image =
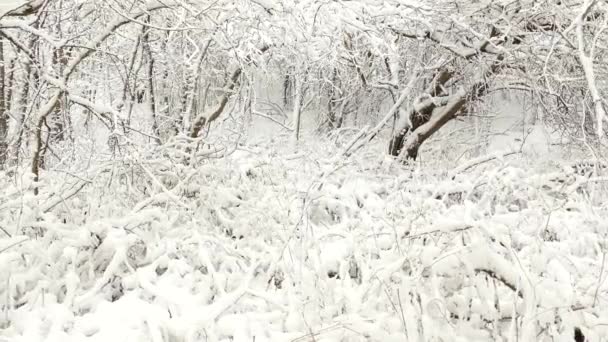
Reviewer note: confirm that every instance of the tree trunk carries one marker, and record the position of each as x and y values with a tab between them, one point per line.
150	85
441	112
286	89
436	121
231	83
420	112
297	106
202	120
30	81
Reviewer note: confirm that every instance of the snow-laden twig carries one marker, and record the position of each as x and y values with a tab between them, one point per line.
53	201
13	243
219	306
171	194
260	114
480	160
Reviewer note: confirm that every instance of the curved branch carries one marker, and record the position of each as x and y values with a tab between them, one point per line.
26	9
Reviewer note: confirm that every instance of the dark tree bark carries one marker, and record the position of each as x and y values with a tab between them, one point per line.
437	106
231	83
26	9
421	114
150	80
201	121
444	112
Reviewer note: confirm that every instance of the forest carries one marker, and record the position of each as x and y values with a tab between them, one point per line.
303	170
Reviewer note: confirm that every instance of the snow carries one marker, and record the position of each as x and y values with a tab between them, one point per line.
259	253
254	235
8	5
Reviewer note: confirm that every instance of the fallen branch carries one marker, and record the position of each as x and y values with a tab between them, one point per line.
480	160
504	281
255	112
62	197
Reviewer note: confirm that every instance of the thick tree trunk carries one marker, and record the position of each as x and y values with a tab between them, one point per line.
441	116
420	112
442	113
202	120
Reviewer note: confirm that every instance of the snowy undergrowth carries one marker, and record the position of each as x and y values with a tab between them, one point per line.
269	245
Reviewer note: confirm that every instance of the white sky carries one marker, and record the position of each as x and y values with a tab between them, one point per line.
7	5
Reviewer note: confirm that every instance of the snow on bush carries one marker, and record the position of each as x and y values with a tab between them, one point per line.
267	245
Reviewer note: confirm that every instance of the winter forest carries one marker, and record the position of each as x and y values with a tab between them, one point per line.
303	170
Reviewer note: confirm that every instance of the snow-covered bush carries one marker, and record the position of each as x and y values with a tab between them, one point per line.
267	245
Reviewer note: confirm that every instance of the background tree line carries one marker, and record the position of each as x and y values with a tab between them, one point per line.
156	71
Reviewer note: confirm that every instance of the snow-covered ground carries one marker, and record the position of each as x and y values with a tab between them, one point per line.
276	244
